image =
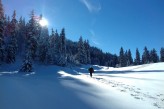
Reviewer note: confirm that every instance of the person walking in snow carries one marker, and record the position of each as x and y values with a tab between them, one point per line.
91	70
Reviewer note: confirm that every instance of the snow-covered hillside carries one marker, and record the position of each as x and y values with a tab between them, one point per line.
52	87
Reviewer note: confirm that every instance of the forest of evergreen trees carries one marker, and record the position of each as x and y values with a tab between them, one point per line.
32	42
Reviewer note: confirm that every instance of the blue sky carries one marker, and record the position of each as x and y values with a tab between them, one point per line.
107	24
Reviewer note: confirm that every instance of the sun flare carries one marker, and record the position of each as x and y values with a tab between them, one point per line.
43	22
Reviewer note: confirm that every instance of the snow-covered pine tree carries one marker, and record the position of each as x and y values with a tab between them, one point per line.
95	54
126	58
63	42
52	51
14	30
87	49
43	49
101	57
137	59
5	20
53	45
108	60
27	64
115	60
21	36
43	43
10	57
49	57
62	60
153	56
146	56
56	50
32	35
130	59
71	51
81	55
30	43
6	23
1	33
162	54
7	29
122	60
12	47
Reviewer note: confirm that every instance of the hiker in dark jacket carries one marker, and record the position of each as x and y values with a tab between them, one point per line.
91	70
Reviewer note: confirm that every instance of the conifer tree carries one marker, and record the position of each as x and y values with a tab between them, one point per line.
162	54
62	59
122	60
32	36
115	60
5	20
13	46
146	56
6	23
137	59
21	36
51	52
127	63
7	28
49	55
81	55
43	41
1	33
130	59
43	48
71	51
153	56
27	65
87	49
57	42
1	10
63	42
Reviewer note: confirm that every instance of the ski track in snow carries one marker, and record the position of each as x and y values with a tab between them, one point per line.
156	100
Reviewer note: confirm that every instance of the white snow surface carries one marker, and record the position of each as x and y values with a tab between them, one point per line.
53	87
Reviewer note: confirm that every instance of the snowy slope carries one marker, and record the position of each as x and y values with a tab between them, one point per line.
52	87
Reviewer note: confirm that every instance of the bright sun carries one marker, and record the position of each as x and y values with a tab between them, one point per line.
43	22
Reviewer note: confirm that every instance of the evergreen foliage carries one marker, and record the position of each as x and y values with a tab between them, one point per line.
81	55
32	35
42	42
162	54
96	55
153	56
87	50
130	59
62	59
27	65
137	59
12	46
122	58
114	61
2	49
127	63
146	56
71	50
21	36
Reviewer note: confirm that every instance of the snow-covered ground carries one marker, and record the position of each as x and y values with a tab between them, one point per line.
52	87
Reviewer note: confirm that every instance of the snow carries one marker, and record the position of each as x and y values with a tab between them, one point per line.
53	87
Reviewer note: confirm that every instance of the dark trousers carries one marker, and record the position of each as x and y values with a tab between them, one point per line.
90	74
